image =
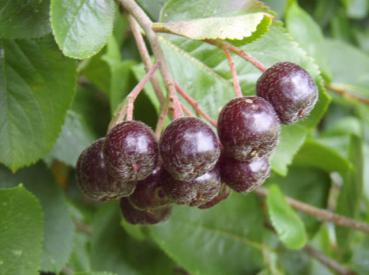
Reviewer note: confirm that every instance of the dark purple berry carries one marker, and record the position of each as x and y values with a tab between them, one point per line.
93	178
195	192
244	176
131	151
248	127
149	193
290	89
189	148
137	216
222	195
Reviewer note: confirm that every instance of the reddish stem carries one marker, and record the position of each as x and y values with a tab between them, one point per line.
137	89
232	67
195	105
162	116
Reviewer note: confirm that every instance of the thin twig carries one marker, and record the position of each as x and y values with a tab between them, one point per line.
232	67
342	92
327	261
146	23
320	213
145	56
163	114
195	105
221	44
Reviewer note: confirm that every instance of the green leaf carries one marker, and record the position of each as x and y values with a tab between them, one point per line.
235	28
213	241
24	19
36	88
81	27
357	9
21	228
58	226
152	7
287	223
94	273
73	139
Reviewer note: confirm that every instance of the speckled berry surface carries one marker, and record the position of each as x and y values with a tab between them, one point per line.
248	127
93	179
195	192
290	89
149	193
189	148
244	176
136	216
131	151
222	195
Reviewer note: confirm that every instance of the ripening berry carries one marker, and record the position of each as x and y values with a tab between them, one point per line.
222	195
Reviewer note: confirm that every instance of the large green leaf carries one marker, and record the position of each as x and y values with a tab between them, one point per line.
81	27
24	19
58	226
21	228
214	241
152	7
36	88
287	223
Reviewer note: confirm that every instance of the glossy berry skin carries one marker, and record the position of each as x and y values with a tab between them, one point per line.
195	192
137	216
131	151
149	193
290	89
189	148
93	178
244	176
222	195
248	127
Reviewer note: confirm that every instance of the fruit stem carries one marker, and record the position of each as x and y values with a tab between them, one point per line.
163	114
221	44
145	56
320	213
135	10
342	92
195	105
232	67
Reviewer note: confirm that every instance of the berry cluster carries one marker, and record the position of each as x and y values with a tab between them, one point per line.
190	164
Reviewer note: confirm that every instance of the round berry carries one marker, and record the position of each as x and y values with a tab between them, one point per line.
93	178
244	176
137	216
290	89
189	148
149	193
248	127
195	192
222	195
131	151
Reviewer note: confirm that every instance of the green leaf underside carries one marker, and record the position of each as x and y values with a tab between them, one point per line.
236	27
217	237
36	89
24	19
81	27
287	223
21	228
58	226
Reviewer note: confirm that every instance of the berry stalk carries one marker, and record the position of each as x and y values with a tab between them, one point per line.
232	67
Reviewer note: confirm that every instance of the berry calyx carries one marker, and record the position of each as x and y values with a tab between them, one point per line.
137	216
149	193
131	151
248	127
290	89
195	192
244	176
189	148
222	195
93	178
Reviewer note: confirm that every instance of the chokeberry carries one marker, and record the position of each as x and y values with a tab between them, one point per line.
248	127
290	89
189	148
131	151
222	195
244	176
195	192
93	178
149	193
137	216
